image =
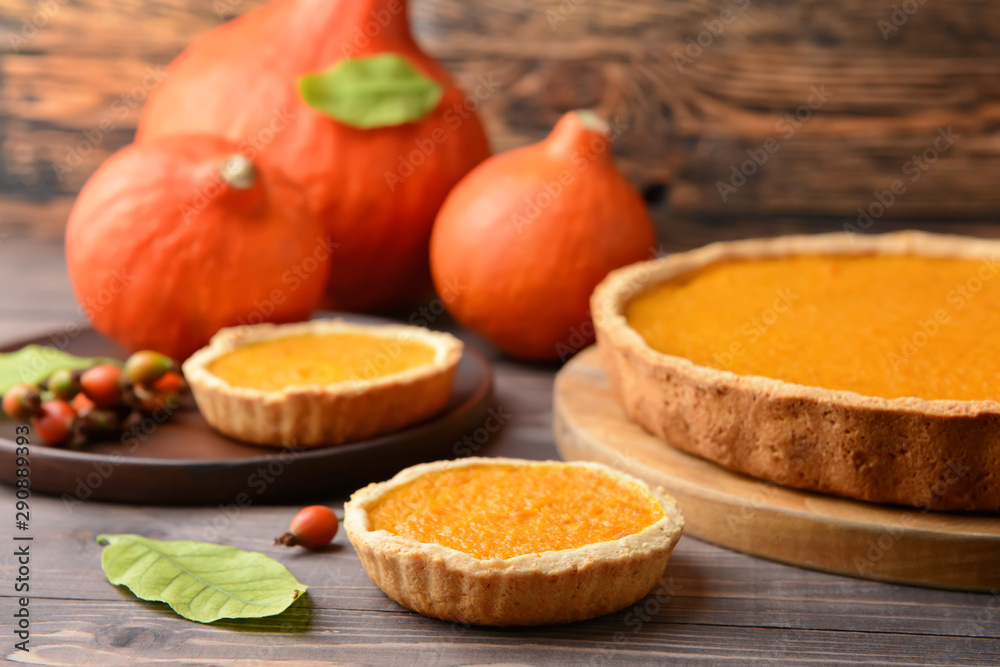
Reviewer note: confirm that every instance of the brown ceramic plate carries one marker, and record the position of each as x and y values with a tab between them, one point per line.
185	462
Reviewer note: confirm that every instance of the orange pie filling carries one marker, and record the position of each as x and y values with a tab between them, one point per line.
886	326
319	359
503	511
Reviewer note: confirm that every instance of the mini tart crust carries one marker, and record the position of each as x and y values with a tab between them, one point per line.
315	415
933	454
532	589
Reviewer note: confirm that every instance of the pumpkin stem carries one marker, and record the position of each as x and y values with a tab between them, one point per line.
590	120
580	131
238	172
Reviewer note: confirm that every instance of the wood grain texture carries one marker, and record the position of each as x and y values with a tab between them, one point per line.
74	74
697	84
713	607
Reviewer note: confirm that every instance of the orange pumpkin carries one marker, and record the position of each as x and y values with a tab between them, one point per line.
522	241
377	190
171	240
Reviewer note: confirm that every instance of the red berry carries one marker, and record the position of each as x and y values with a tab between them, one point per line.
102	385
54	424
171	382
146	367
82	404
312	528
22	402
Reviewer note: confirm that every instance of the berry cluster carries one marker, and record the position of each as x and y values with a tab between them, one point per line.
73	406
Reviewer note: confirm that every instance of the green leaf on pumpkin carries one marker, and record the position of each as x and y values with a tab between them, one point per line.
200	581
370	92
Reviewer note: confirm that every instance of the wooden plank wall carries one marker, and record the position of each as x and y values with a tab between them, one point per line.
695	84
73	75
702	82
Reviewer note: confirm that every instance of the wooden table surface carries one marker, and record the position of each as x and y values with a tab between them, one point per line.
713	607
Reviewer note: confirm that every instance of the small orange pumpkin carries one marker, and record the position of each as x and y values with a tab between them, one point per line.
521	242
172	240
377	189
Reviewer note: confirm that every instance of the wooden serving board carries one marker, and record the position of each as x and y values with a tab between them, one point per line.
185	462
886	543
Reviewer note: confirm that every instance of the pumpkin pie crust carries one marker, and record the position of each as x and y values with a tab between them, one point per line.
940	454
536	588
313	414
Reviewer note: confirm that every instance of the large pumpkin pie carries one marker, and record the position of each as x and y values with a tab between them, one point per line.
862	366
513	542
322	382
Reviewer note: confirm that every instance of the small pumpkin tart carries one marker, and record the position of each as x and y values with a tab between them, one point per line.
513	542
863	366
323	382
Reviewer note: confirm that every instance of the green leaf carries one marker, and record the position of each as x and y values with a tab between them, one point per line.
376	91
200	581
34	363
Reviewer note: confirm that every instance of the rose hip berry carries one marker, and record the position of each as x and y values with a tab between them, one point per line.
54	422
146	367
82	404
22	402
102	385
171	382
312	528
64	384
